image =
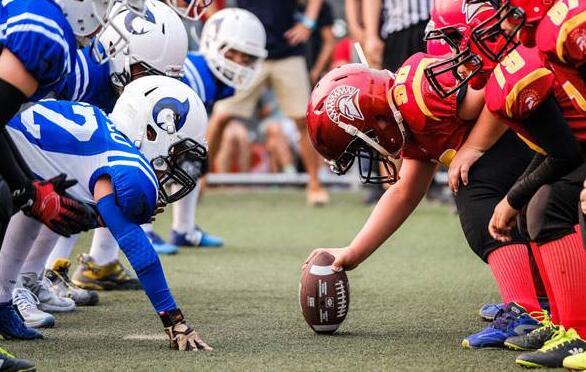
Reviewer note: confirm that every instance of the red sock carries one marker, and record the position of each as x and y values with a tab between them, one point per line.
512	271
545	280
565	262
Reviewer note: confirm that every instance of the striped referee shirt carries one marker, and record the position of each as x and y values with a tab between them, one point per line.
401	14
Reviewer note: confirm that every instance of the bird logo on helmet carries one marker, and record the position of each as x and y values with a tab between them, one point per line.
170	106
139	29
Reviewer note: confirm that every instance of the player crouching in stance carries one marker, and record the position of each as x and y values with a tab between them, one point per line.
125	164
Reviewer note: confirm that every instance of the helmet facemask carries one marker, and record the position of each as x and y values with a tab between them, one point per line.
368	160
473	63
231	73
497	35
194	10
179	171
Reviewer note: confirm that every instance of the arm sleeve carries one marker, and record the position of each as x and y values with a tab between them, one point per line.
140	253
549	128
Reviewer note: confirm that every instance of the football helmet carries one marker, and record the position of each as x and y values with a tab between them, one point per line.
238	30
191	10
167	122
515	21
137	57
454	21
349	117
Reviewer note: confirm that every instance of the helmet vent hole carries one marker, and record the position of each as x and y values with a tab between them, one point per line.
340	78
163	29
151	133
150	91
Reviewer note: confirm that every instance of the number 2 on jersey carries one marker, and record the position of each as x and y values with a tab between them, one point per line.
81	132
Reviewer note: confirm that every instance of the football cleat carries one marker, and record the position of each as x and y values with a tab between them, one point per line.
560	346
161	246
510	321
48	301
181	335
112	276
10	363
535	339
196	238
12	326
26	303
62	286
576	362
488	311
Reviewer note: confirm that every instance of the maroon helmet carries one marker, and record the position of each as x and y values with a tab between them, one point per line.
349	116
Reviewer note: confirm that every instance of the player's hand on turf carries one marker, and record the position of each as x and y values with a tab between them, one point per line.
343	259
583	198
460	167
297	34
181	335
503	221
61	213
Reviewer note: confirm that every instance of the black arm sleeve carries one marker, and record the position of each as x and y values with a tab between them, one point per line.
12	167
549	128
582	71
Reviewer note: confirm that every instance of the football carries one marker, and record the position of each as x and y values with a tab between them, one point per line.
324	295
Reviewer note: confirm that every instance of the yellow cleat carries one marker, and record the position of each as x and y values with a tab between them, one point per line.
576	362
113	276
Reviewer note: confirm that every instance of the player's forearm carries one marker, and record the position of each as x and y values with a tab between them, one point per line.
486	132
371	10
355	27
327	49
140	253
312	9
394	207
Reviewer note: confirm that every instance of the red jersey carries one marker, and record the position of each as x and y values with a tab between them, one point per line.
435	130
561	39
561	34
521	83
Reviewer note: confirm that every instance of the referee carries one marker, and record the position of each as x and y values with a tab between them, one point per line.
402	30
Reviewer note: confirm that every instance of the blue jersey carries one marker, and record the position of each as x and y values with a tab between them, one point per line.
202	80
37	32
89	82
79	140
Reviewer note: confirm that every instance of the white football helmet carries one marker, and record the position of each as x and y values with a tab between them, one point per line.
167	122
157	42
191	10
233	29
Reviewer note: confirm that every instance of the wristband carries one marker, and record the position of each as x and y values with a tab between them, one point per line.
308	22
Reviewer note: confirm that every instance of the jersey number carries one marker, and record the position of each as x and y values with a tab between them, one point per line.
81	132
560	10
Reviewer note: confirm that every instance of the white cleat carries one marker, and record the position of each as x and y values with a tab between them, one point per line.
27	303
48	301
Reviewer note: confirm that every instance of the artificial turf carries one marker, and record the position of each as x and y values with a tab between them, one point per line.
411	304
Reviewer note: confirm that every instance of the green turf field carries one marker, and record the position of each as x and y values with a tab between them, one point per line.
411	303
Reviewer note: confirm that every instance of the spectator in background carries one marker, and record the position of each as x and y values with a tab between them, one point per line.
321	43
286	71
234	152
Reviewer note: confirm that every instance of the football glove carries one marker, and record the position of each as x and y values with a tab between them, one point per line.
49	204
182	337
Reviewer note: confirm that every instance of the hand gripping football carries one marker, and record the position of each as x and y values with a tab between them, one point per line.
324	295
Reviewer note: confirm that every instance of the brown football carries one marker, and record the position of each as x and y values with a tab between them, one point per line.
324	295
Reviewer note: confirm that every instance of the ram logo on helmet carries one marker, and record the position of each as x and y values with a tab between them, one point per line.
136	24
169	108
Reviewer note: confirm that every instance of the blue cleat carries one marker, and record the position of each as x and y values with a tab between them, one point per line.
12	326
160	246
489	311
197	238
512	320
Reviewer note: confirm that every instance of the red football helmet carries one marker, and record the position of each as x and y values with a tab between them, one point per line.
454	21
515	21
348	116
